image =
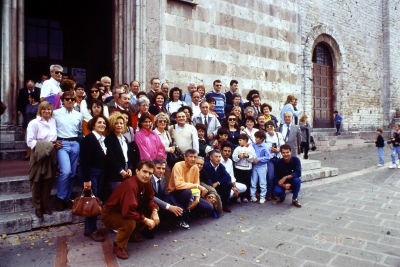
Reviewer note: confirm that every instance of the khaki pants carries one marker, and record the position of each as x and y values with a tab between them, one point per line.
112	219
41	193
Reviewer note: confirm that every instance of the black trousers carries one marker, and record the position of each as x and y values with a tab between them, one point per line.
305	147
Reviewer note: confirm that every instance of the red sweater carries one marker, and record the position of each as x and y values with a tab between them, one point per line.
133	199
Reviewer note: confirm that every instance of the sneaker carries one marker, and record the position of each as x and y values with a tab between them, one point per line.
262	200
379	165
253	199
245	200
238	201
398	167
184	225
394	166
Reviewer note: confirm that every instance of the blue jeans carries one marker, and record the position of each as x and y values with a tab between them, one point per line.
381	155
270	176
96	177
396	151
296	184
259	175
67	157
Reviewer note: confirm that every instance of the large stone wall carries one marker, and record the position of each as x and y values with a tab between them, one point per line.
256	42
356	26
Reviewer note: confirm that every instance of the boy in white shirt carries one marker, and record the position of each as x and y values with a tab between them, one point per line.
243	157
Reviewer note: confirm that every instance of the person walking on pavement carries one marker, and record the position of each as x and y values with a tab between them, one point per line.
338	121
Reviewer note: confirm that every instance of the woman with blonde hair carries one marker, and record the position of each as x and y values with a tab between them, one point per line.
238	112
118	164
41	133
288	107
305	135
202	91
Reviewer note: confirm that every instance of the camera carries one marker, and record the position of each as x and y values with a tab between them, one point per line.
274	145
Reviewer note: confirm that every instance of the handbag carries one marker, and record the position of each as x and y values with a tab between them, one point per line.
87	206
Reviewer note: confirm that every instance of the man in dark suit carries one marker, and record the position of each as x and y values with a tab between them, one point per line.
234	85
169	207
155	87
291	133
220	178
22	99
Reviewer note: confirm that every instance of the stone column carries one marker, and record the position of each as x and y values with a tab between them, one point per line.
124	41
12	61
154	37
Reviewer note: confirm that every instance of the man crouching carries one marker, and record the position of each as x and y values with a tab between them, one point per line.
125	209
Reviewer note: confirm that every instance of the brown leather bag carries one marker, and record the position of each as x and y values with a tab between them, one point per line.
87	206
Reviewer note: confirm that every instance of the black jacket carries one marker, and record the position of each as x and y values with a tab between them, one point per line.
115	160
91	156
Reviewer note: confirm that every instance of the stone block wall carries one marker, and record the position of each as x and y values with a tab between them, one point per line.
356	26
255	42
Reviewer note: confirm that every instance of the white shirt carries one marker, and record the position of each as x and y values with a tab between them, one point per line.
87	114
174	106
277	140
69	124
250	134
50	87
229	168
285	130
100	138
196	109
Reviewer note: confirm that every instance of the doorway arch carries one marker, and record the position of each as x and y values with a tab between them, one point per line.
322	112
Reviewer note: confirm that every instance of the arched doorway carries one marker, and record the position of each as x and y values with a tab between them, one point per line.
322	87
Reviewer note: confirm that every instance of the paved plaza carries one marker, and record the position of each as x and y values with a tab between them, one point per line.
348	220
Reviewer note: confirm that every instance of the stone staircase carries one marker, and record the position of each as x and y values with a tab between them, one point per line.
327	140
12	142
17	213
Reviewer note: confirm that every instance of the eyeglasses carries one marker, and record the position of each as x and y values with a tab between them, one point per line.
69	99
57	72
232	119
162	121
269	126
94	91
218	85
144	105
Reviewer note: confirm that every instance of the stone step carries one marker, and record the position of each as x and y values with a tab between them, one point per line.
339	142
334	147
10	203
310	164
25	221
6	154
12	145
321	173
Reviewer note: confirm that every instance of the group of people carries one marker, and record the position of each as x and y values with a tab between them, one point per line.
127	141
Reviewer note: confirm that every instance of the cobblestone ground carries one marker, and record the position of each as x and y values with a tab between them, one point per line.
348	220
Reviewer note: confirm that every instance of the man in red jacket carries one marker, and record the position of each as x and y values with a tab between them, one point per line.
131	206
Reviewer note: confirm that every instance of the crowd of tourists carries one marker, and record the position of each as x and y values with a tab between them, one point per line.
158	154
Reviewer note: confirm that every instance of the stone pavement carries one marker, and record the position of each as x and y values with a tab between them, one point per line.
348	220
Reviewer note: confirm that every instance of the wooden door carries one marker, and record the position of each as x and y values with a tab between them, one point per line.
322	96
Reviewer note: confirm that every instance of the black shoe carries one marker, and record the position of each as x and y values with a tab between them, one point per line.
59	204
281	199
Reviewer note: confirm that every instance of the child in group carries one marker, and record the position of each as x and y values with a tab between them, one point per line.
396	147
243	157
201	132
222	138
338	121
380	143
260	167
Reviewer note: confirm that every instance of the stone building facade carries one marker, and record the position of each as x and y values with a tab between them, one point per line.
265	44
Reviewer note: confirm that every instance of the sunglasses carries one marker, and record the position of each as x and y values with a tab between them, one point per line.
94	91
162	121
218	85
270	126
232	119
57	72
69	99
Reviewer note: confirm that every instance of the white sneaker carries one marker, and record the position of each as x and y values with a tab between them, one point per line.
398	167
379	165
393	166
253	199
262	200
245	200
238	201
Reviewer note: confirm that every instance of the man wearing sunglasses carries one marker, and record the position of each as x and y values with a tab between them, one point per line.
69	125
52	86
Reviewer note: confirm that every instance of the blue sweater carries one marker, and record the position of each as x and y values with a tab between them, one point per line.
220	175
292	168
220	103
338	119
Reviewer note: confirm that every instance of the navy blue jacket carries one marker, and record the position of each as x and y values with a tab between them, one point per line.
220	175
292	168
